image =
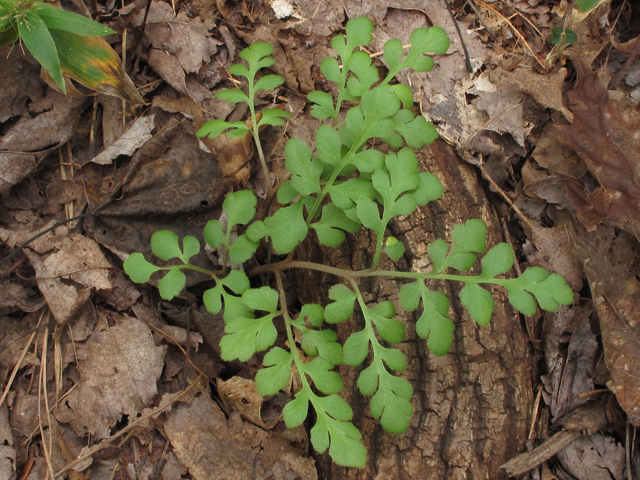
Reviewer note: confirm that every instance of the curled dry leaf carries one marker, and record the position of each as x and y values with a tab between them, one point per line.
616	296
169	181
241	395
605	135
129	142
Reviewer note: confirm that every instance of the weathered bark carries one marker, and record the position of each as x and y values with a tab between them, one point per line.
472	406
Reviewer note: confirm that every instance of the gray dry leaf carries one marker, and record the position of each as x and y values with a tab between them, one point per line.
212	447
577	375
118	377
594	457
16	297
7	446
79	259
129	142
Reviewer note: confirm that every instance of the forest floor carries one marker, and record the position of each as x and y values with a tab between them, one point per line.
95	380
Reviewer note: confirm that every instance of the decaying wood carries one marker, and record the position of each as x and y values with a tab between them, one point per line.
472	406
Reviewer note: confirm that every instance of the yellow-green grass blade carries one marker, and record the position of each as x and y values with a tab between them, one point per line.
92	62
37	38
58	19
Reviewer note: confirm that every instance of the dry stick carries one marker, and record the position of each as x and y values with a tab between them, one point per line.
613	27
18	364
615	80
44	232
475	10
107	441
536	410
464	45
42	386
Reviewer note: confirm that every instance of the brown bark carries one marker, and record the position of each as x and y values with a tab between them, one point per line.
471	406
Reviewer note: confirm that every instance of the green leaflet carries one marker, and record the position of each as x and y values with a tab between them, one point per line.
245	336
275	377
138	269
468	239
287	228
433	323
342	307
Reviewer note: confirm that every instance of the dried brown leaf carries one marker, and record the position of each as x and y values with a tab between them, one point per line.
168	184
241	395
595	457
605	134
213	447
78	259
136	136
616	296
118	376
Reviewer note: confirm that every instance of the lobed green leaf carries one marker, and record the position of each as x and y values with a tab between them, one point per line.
295	412
240	207
275	377
305	171
138	268
231	95
330	227
245	336
213	233
497	260
391	403
356	348
172	283
273	116
478	302
394	249
324	378
323	108
166	245
287	228
342	307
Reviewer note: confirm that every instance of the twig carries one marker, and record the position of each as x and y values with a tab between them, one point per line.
464	45
44	232
475	10
18	364
615	80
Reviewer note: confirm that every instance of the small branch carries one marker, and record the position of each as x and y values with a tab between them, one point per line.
464	45
615	80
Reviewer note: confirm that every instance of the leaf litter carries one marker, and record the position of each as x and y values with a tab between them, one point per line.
566	161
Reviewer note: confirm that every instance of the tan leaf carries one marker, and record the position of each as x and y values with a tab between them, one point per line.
118	376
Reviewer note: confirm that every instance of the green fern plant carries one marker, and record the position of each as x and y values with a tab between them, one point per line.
339	187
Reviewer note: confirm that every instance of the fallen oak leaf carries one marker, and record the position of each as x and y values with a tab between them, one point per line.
604	135
616	296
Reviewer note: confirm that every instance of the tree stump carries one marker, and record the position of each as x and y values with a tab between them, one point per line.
472	406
